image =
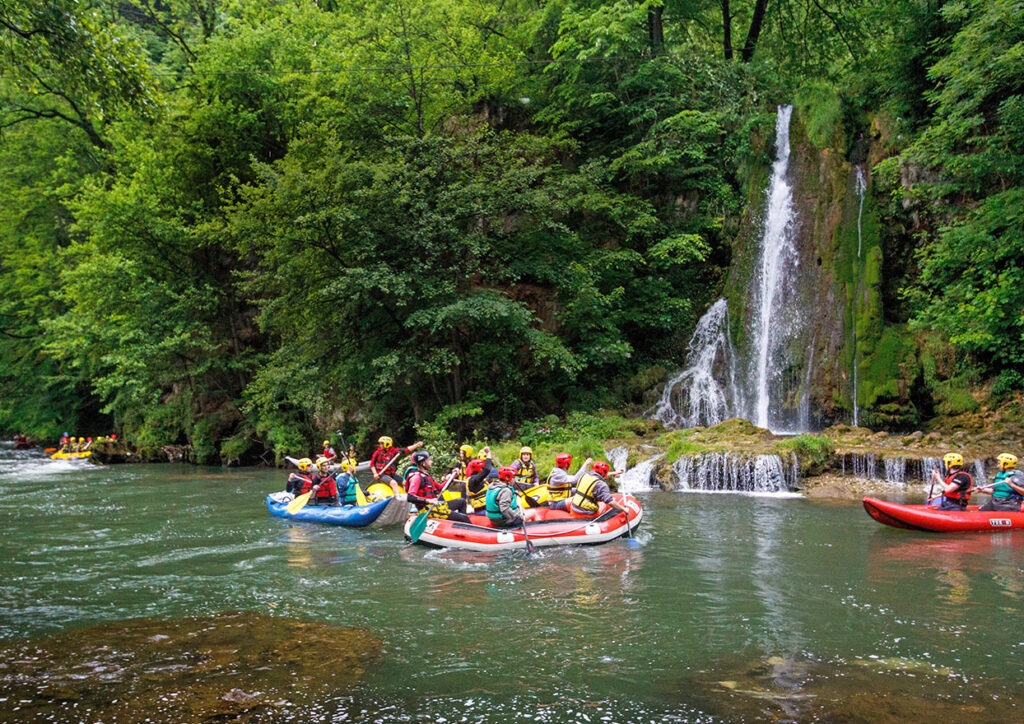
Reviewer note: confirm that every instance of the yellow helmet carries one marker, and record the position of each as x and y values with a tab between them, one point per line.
321	463
327	443
385	441
346	465
305	464
467	449
1006	461
953	460
525	450
481	455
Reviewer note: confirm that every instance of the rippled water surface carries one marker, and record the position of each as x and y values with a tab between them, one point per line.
734	608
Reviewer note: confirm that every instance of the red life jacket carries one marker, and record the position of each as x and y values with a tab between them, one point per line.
422	484
960	493
328	488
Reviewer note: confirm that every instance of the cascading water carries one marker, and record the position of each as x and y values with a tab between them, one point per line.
696	397
861	186
728	472
640	478
777	315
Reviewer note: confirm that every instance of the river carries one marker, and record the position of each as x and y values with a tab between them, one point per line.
735	607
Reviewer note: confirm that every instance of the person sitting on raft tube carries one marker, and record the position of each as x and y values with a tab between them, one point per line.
591	491
347	482
526	469
425	492
476	484
1007	488
328	451
465	458
64	440
384	461
559	481
325	490
957	486
502	503
300	482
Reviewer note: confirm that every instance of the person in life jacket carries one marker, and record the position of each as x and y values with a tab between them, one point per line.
300	482
465	457
1008	487
559	481
64	440
346	481
956	490
384	461
501	502
476	484
328	451
590	492
88	444
425	492
324	487
526	469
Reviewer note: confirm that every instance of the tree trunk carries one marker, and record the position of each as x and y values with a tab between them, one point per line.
755	30
655	31
726	31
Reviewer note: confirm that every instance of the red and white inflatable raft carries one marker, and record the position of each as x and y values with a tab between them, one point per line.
553	528
930	518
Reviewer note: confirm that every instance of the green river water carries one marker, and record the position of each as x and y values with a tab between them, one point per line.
735	608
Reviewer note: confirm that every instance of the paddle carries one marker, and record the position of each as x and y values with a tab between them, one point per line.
50	450
631	542
526	536
420	523
299	503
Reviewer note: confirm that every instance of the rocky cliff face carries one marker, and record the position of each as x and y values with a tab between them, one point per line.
844	356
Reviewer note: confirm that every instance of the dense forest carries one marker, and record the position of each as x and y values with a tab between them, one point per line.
238	224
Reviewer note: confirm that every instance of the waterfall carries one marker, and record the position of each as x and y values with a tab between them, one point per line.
861	186
695	397
776	314
896	470
617	457
638	479
978	472
728	472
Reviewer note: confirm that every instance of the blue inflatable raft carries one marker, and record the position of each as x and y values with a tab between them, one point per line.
350	516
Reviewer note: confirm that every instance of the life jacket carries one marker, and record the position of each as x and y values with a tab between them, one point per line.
525	473
428	487
558	492
440	510
491	501
348	493
299	483
383	459
961	495
328	489
406	473
478	499
583	498
329	453
1003	491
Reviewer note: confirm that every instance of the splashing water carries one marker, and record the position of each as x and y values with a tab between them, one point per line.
696	397
735	473
640	478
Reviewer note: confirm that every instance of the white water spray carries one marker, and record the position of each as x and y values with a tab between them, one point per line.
778	263
695	397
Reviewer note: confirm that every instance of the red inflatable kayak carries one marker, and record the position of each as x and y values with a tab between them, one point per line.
926	517
553	528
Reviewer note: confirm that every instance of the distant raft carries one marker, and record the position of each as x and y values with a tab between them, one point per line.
554	528
71	455
930	518
389	511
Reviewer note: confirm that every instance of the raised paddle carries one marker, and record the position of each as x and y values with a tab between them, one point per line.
420	523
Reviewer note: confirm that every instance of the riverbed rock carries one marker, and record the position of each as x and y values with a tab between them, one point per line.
234	666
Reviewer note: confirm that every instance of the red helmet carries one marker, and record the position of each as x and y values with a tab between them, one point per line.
563	460
507	472
601	468
475	466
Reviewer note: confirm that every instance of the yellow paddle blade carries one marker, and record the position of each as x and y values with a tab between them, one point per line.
360	497
299	503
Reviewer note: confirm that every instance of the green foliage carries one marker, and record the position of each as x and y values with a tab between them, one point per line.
818	105
812	451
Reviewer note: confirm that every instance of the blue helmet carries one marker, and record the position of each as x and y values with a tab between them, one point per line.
65	434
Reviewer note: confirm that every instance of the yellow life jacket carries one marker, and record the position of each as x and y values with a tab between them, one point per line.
558	492
583	498
525	473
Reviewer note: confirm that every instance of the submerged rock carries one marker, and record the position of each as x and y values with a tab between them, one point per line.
233	666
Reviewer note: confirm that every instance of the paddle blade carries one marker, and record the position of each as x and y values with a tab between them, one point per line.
50	450
418	526
299	503
360	497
